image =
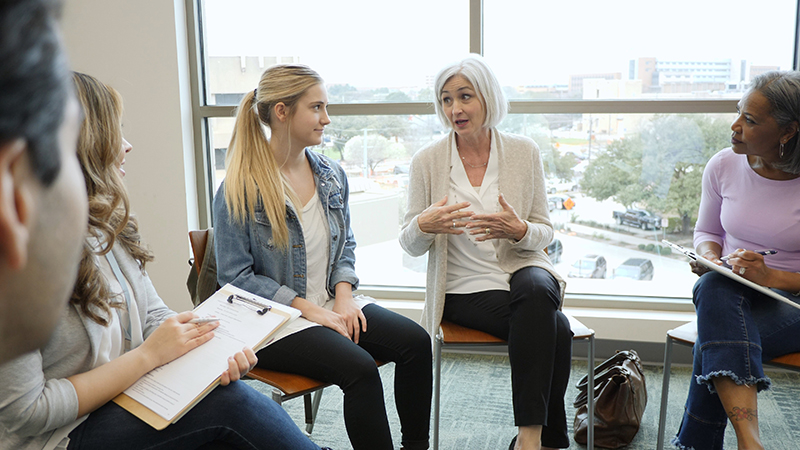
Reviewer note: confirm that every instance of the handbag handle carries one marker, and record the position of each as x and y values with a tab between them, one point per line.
616	360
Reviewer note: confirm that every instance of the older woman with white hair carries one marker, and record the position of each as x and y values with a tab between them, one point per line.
477	205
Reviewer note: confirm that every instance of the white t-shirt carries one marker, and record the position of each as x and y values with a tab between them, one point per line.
473	266
317	237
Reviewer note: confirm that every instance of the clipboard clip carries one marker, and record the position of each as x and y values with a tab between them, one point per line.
689	254
261	308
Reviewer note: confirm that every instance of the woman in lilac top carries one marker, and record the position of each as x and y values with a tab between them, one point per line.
750	203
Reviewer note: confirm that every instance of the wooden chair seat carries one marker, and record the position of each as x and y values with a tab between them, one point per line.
291	385
456	334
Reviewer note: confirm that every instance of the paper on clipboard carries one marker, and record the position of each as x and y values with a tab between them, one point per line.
164	394
729	273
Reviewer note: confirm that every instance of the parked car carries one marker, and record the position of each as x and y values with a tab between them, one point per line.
554	251
556	185
635	269
638	218
590	266
401	169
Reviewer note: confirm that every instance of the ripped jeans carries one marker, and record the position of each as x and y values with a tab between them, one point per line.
737	328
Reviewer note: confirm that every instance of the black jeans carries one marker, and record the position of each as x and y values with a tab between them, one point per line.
326	355
539	345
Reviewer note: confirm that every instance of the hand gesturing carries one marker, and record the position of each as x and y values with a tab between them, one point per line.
439	218
503	225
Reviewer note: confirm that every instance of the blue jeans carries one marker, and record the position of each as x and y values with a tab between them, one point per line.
236	415
737	329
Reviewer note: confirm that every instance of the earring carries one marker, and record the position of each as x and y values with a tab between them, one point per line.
780	153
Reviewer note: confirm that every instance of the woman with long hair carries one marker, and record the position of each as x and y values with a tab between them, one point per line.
282	231
116	329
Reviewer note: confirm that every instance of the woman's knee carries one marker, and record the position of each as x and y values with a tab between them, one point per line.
238	401
418	341
716	290
359	369
536	284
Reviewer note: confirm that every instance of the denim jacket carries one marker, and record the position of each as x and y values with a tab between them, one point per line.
248	259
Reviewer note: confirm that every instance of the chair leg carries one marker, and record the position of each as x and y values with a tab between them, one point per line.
437	374
312	407
662	416
277	396
590	396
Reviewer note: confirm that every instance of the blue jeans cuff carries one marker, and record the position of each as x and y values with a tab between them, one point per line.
761	383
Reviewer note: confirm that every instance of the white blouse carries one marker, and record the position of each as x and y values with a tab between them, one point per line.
473	266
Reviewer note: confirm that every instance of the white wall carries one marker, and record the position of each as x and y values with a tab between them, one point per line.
139	48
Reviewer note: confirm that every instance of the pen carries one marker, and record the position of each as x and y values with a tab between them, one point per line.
762	252
204	320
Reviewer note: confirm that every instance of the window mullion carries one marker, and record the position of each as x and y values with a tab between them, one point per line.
476	26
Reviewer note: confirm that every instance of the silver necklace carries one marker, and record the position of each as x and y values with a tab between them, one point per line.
465	160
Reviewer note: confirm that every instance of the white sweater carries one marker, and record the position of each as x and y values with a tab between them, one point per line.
523	185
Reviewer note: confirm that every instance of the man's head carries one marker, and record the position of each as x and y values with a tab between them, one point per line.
42	195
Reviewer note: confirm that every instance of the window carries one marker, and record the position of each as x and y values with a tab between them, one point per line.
625	108
366	51
539	47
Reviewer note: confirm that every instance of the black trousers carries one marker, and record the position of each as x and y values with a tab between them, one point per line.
326	355
539	345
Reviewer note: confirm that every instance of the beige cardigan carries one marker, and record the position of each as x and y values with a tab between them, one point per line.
523	185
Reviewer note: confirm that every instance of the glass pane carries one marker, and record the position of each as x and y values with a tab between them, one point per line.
613	197
366	51
220	129
628	48
378	178
618	184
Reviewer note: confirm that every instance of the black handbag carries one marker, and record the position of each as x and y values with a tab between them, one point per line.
620	397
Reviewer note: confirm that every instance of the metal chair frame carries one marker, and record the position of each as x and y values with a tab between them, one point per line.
686	334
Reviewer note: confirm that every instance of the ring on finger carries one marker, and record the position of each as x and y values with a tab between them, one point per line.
454	224
488	231
742	270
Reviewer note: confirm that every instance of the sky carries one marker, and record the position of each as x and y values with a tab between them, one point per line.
369	43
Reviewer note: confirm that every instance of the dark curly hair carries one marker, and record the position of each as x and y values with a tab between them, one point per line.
34	81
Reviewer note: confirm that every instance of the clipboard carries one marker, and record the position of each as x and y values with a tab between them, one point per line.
729	273
166	393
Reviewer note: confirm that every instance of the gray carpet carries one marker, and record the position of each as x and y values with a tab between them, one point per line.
476	407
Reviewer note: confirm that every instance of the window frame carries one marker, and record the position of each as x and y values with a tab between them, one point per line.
204	155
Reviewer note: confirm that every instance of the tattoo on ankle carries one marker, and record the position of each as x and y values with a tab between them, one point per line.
738	414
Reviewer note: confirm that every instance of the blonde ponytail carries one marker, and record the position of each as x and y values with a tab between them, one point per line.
252	173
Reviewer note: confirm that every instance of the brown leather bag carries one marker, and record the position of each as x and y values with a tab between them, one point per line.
620	399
